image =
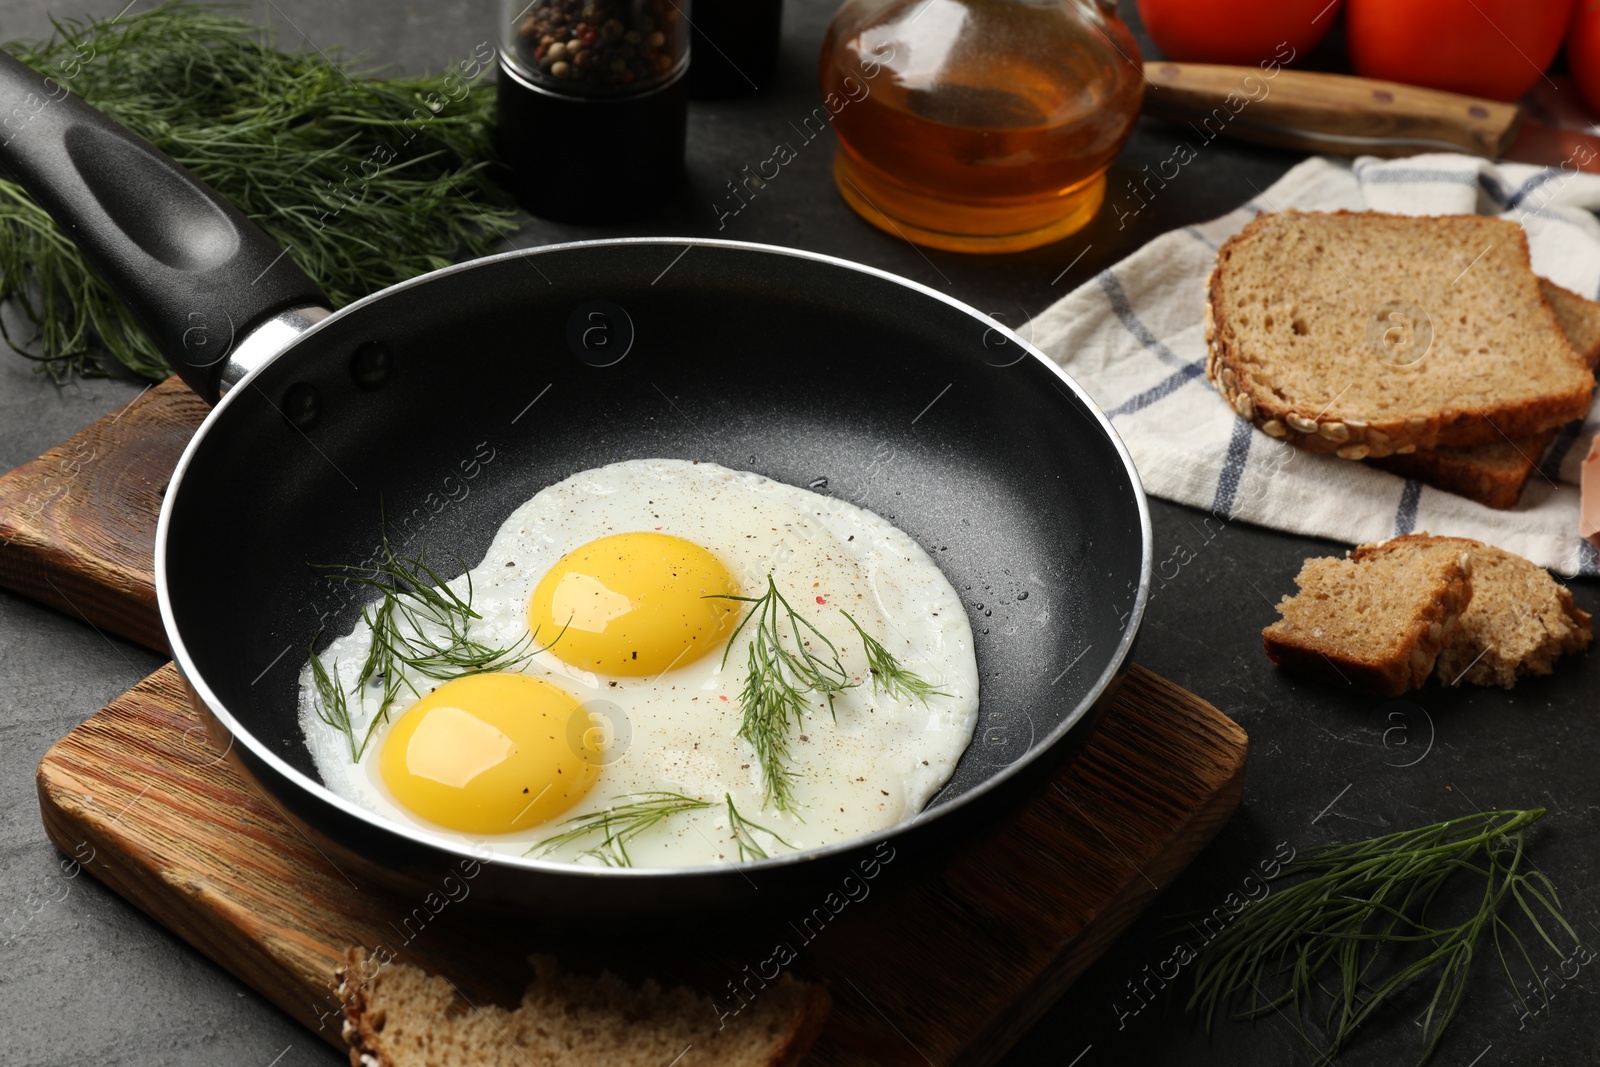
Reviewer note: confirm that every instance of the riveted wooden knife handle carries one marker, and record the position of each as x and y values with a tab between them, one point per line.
1332	113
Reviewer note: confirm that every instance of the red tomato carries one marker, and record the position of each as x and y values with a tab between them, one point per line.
1492	48
1237	31
1583	50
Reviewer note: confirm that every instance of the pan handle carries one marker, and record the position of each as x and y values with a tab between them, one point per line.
198	275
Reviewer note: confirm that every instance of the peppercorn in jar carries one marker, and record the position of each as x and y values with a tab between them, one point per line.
600	47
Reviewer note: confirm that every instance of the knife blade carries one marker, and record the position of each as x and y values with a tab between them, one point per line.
1340	114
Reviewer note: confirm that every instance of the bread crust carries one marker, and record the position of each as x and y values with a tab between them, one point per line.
1356	439
1457	471
1579	319
1380	680
1417	540
362	1027
814	1014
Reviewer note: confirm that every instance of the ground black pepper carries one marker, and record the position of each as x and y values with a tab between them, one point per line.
601	45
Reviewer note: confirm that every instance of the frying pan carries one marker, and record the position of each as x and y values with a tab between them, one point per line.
452	398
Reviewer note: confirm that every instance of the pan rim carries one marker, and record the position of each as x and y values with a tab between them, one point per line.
454	846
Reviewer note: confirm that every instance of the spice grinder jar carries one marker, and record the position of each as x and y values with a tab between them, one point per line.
594	104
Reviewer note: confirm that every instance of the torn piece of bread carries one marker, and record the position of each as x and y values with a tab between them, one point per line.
1495	474
1520	620
1377	624
1367	334
397	1015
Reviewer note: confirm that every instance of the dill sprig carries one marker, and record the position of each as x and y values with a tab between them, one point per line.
366	180
749	848
419	625
888	676
331	704
639	812
778	683
423	624
781	677
1358	929
619	824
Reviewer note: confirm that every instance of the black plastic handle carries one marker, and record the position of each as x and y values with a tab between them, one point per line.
196	273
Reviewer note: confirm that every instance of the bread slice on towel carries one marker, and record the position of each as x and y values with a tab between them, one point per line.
1494	474
1367	334
396	1015
1579	319
1377	624
1520	620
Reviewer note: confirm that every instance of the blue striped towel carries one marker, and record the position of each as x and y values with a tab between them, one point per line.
1133	337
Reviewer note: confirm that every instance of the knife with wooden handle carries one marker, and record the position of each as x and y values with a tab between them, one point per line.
1340	114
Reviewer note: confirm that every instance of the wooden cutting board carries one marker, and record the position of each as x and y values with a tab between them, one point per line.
951	971
79	522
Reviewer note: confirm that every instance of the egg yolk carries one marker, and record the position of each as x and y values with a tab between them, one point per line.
490	754
634	604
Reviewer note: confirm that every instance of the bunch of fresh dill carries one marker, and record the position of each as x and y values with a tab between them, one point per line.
366	180
1362	929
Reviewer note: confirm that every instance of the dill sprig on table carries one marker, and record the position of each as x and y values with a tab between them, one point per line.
420	625
1359	928
367	180
638	812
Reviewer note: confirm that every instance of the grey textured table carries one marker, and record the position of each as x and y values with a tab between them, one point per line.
86	978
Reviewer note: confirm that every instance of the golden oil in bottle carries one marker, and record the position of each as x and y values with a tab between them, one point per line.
978	125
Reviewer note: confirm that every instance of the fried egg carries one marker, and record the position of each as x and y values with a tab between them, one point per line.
624	580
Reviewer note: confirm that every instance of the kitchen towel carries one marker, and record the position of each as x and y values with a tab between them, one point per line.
1133	338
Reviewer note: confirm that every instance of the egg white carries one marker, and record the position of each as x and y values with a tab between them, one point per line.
873	763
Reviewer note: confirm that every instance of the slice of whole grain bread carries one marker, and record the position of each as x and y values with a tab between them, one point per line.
1494	474
397	1015
1520	620
1375	624
1367	334
1578	317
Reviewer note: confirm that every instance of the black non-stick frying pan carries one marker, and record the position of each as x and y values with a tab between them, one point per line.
453	398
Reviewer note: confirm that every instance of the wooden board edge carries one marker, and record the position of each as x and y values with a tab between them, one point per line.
76	522
74	829
78	592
